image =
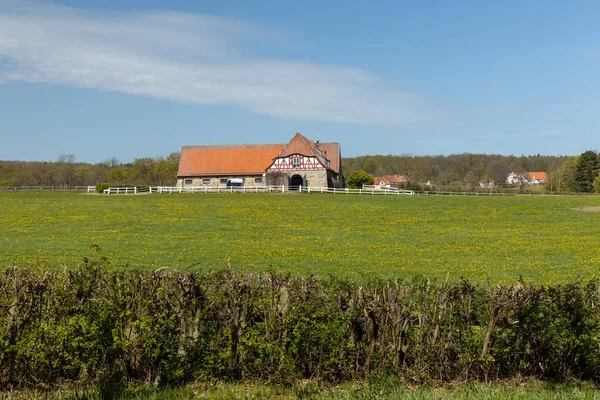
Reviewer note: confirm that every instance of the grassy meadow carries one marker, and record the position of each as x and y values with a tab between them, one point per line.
505	391
543	239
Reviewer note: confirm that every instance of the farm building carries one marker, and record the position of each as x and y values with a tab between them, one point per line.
388	181
529	178
301	162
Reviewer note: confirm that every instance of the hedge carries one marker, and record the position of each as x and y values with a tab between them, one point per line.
94	325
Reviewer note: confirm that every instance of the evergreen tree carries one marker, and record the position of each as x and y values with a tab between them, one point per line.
587	169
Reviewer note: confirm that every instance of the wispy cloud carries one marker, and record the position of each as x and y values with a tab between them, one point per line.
189	58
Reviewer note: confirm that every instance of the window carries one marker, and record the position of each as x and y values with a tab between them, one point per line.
224	181
257	180
206	181
188	181
296	161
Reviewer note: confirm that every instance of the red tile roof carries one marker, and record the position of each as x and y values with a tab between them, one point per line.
332	152
227	160
250	159
540	176
388	179
299	145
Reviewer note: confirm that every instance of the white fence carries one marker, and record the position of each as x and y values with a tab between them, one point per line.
369	191
253	189
217	189
45	188
127	190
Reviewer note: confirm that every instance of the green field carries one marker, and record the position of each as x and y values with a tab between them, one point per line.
389	390
543	239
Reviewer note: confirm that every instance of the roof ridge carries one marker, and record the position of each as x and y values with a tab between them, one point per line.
234	145
302	138
246	144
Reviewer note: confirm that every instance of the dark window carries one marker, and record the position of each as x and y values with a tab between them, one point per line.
206	181
224	181
188	181
258	180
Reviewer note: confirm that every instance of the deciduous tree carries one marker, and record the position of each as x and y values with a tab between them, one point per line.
358	179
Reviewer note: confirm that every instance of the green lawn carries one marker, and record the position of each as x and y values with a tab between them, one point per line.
529	390
543	239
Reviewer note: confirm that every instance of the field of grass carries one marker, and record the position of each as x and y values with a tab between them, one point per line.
496	391
542	239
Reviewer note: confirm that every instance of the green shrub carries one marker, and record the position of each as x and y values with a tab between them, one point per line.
95	325
359	178
100	187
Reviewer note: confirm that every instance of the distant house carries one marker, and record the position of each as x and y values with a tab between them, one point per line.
300	162
388	181
516	179
487	184
537	178
529	178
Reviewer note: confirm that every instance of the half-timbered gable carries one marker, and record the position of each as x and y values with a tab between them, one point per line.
296	162
304	164
301	162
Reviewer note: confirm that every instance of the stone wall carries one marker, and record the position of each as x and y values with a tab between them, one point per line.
316	178
313	178
249	180
321	178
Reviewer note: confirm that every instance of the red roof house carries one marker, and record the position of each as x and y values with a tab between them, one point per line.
302	161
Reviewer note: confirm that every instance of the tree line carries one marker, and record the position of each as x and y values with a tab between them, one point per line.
457	171
463	171
454	169
577	174
66	171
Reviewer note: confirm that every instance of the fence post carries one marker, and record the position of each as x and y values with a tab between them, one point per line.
282	188
308	189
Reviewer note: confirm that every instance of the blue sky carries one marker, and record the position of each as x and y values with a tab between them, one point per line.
141	78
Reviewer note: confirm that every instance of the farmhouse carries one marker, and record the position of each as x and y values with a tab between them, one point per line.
301	162
537	178
530	178
388	181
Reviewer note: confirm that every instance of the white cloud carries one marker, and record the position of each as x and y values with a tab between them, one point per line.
189	58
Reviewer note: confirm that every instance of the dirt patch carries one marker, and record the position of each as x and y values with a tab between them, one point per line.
588	209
